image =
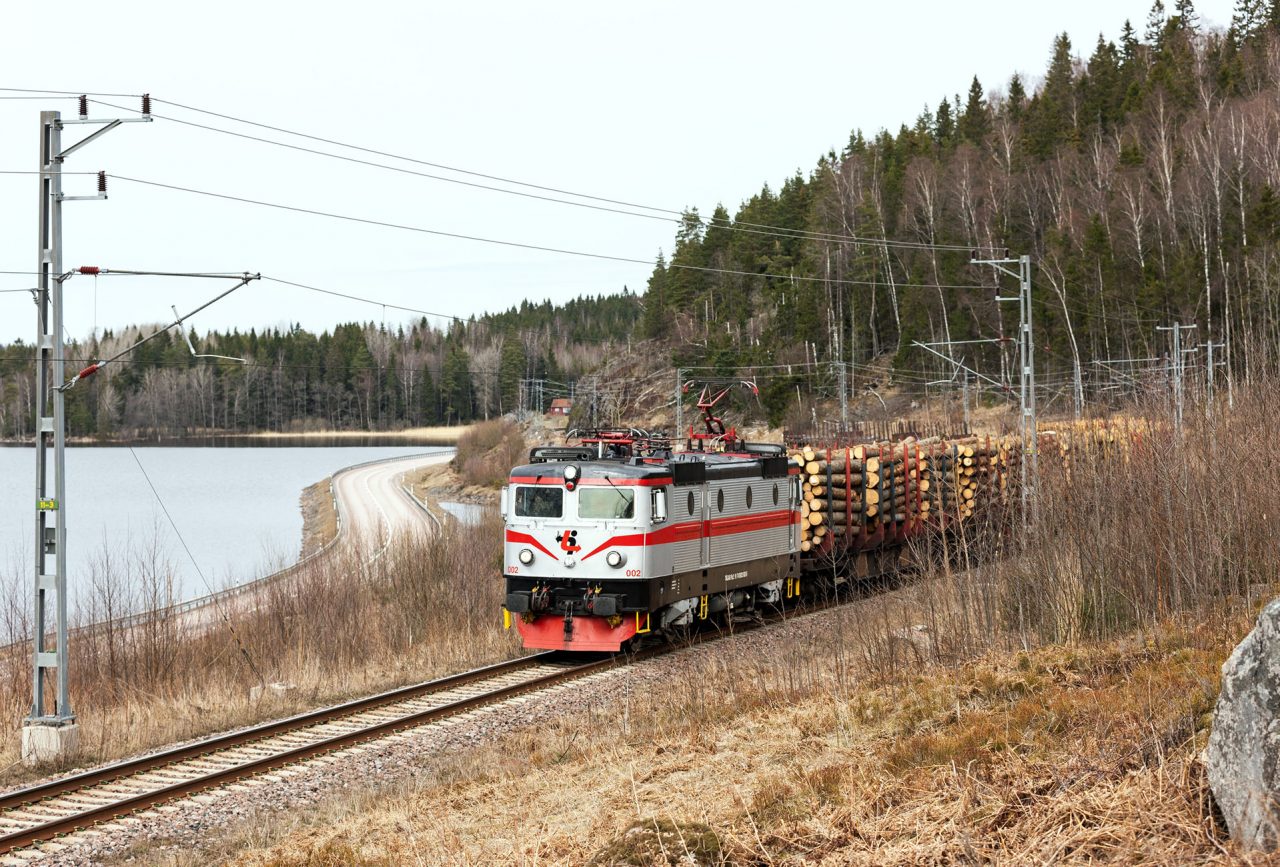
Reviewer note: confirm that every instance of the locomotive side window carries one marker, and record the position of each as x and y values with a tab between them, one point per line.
693	503
607	503
720	500
775	493
748	496
534	501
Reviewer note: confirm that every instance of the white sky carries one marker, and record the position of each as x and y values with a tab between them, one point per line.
671	104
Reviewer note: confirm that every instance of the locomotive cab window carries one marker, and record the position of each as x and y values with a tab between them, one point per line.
533	501
607	503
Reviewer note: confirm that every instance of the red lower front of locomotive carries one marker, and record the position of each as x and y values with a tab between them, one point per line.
587	633
584	615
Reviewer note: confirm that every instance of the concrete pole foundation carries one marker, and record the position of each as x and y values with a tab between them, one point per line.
44	744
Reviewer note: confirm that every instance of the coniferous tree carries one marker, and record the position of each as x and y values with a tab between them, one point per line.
944	128
656	318
1051	116
1128	43
1248	17
1155	24
1017	97
1188	18
511	370
975	123
1102	87
458	393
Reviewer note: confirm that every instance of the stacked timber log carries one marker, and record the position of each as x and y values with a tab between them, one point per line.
1089	441
875	492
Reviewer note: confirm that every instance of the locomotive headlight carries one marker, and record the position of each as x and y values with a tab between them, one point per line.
526	556
615	558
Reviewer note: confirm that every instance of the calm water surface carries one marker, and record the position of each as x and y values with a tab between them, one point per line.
468	514
237	508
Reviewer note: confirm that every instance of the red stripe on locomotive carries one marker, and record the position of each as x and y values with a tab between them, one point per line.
513	536
556	480
691	530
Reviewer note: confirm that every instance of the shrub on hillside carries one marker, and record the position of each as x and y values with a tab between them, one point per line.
487	451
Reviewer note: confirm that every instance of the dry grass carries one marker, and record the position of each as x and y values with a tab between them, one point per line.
488	451
319	517
1056	755
338	630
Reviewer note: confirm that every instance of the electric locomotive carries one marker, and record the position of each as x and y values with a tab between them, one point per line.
621	536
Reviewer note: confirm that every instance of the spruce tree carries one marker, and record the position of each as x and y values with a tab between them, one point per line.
974	123
1050	119
1188	18
944	128
1128	43
1249	17
1017	96
1101	87
455	386
1155	23
655	318
511	369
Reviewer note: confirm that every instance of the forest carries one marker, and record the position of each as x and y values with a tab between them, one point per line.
359	376
1143	181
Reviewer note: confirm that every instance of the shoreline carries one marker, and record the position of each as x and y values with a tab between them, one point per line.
425	436
444	435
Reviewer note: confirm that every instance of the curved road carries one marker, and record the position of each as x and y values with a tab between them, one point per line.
373	506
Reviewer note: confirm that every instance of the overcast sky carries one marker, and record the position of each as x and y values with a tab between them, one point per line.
664	104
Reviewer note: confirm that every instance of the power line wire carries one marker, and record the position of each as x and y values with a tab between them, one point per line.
384	304
66	92
663	214
526	246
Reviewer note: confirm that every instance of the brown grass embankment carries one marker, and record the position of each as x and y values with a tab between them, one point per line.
488	451
339	629
801	754
319	517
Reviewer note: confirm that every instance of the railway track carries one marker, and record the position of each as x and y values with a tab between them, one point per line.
50	810
59	807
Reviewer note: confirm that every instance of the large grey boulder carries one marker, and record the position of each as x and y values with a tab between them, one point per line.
1244	746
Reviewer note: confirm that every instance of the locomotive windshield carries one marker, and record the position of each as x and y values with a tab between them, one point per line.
534	501
608	503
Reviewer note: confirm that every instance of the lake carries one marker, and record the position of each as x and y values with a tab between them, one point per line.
236	507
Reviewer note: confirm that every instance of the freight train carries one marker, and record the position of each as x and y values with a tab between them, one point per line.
621	536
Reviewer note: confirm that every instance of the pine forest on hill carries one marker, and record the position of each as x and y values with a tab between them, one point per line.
1143	179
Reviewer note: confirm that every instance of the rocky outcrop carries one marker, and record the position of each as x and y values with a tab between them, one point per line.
1244	746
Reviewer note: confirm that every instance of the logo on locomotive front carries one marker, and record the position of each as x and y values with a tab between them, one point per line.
569	541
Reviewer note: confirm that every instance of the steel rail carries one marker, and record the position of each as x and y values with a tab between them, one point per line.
132	767
143	800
